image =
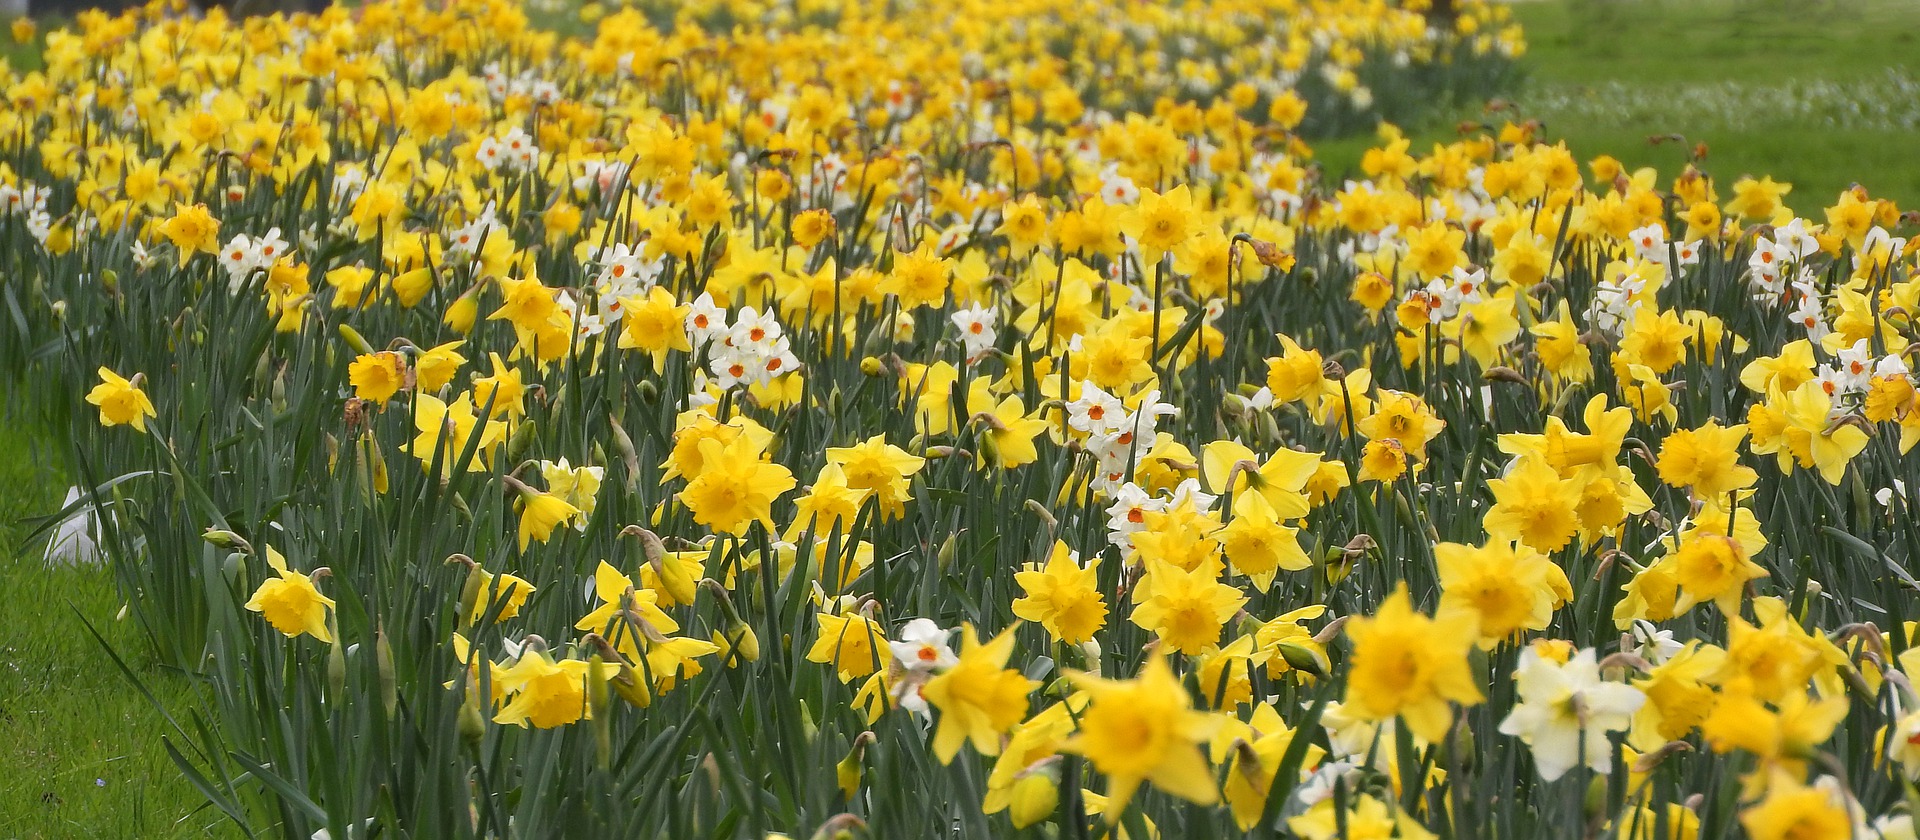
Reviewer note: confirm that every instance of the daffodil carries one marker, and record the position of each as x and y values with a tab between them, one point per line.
1143	730
1007	432
447	430
1712	567
1678	694
377	376
544	693
979	698
1062	595
1507	588
1706	460
1793	810
853	644
623	609
291	603
1566	710
1187	609
1257	545
880	468
1161	222
192	230
1404	418
1534	506
1410	666
1367	817
654	324
1296	374
121	401
1253	752
501	595
734	487
436	366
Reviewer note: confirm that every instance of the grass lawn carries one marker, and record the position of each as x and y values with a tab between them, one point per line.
1818	93
81	751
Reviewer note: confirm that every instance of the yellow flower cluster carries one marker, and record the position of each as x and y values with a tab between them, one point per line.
803	347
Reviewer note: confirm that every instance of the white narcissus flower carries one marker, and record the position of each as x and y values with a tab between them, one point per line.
923	647
1895	827
1649	243
976	325
706	320
1352	736
1095	411
1127	515
1566	711
1903	744
1652	643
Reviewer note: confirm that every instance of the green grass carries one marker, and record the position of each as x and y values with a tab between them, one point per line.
23	57
1657	42
1605	75
81	745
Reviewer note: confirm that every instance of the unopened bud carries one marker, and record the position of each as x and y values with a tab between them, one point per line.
847	773
521	441
461	315
1035	794
1090	653
739	634
599	673
336	662
842	827
355	340
227	539
470	590
472	727
630	459
948	549
383	663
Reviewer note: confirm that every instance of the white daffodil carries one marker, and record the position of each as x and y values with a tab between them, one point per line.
1566	711
923	647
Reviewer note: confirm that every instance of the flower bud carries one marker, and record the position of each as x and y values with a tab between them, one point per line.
461	315
383	664
738	635
336	662
630	459
948	549
1035	794
471	726
1090	650
599	673
738	644
847	772
842	827
277	399
521	441
471	589
1307	658
226	539
680	585
355	340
